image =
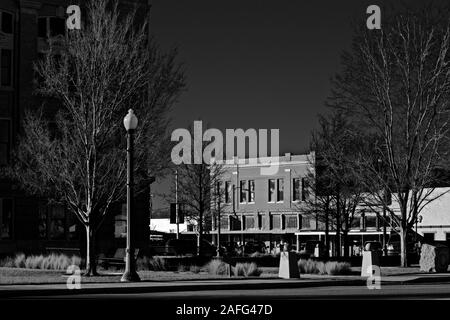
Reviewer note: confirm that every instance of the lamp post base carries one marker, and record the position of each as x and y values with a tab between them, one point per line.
129	276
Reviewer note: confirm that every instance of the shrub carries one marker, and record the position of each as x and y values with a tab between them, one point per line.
182	268
34	262
8	262
217	267
19	261
337	268
152	264
194	269
47	262
307	266
319	267
247	270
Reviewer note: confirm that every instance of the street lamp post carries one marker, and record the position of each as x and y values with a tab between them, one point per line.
130	275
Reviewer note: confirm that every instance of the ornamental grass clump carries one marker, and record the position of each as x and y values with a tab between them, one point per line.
247	270
217	267
324	268
45	262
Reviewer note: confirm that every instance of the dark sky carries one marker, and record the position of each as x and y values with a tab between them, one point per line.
257	64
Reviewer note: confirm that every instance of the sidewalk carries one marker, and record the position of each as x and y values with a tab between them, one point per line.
306	281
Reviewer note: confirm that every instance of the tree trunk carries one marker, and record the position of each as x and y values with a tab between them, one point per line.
327	235
345	243
338	226
403	247
200	235
91	263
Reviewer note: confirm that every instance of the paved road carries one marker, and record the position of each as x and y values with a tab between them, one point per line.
409	291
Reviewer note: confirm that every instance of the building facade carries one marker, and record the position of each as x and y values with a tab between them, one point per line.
28	223
271	209
261	207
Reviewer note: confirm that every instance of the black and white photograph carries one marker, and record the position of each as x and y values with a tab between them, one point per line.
224	159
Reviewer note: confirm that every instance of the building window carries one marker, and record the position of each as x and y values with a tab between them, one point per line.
280	190
251	191
57	26
355	223
362	222
7	22
57	226
4	141
42	27
305	189
296	189
247	191
371	221
228	191
271	190
447	238
72	226
235	223
224	223
428	237
308	222
43	220
249	222
275	221
6	67
51	26
276	190
243	191
6	218
291	222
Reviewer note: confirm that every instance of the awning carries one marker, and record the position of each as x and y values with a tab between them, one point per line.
351	233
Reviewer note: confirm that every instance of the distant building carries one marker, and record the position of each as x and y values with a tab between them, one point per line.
27	223
160	222
434	219
263	207
269	209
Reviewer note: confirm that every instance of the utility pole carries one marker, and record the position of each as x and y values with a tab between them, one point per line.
218	220
176	205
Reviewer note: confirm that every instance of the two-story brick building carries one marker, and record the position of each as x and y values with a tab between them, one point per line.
268	208
263	207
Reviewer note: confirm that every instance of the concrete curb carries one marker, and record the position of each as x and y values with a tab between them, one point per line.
117	289
251	284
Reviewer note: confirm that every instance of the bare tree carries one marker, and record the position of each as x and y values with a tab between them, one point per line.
333	186
95	75
197	191
396	83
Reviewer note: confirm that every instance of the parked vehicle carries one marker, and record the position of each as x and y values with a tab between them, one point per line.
188	247
254	246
